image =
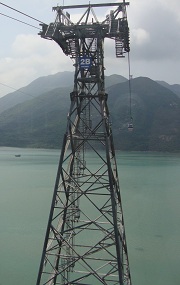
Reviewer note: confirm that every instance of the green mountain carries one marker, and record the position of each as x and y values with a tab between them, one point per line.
41	121
36	88
156	116
44	84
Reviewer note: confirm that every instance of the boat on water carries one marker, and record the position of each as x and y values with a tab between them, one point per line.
17	155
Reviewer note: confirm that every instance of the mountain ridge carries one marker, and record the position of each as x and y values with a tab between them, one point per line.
173	87
40	121
44	84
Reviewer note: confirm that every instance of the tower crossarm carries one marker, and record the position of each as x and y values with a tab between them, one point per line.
63	31
99	5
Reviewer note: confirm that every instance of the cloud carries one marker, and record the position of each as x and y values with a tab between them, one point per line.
26	45
140	37
160	24
155	39
31	57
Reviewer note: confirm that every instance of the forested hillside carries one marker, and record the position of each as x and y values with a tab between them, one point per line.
40	120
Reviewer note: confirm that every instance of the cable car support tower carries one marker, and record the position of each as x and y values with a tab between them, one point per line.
85	241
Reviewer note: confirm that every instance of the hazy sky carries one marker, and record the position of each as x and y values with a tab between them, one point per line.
155	42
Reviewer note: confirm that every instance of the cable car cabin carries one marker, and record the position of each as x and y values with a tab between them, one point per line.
130	127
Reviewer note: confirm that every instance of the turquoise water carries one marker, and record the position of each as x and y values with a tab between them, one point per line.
150	189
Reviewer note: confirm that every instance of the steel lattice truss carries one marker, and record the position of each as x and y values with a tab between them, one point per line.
85	242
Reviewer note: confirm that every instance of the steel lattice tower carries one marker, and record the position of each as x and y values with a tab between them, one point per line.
85	242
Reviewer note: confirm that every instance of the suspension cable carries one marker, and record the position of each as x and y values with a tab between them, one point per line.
130	125
19	21
21	12
130	93
19	91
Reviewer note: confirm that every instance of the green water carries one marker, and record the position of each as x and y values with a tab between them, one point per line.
150	189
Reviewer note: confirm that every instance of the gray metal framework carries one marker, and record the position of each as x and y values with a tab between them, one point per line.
85	241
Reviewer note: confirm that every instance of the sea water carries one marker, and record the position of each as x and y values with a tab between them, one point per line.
150	190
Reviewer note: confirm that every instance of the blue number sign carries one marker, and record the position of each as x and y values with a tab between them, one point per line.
85	62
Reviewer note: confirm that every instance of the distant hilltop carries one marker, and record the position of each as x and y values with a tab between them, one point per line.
35	115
